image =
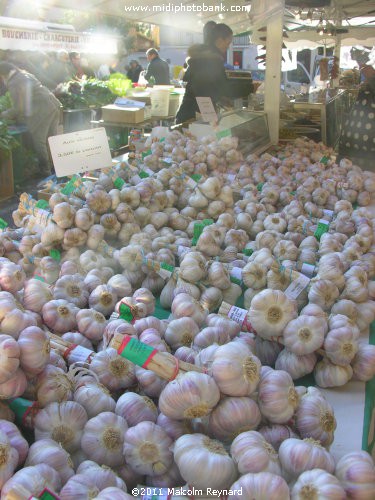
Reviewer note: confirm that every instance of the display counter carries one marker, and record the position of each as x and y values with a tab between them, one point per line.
325	109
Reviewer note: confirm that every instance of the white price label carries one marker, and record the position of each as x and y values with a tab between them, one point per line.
167	160
190	182
295	289
237	314
79	354
114	315
328	214
324	221
308	269
148	171
181	250
236	272
42	217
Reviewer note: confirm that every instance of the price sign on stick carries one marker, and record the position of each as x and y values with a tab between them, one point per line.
207	109
80	152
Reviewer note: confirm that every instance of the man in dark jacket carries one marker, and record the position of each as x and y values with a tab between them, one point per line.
34	106
157	68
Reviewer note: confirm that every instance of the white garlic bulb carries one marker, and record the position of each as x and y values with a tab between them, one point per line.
270	312
356	473
328	374
252	453
135	408
190	395
296	366
319	484
277	397
260	486
203	462
305	334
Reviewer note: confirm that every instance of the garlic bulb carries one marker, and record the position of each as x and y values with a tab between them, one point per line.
147	449
319	484
340	345
191	395
48	451
275	434
254	275
31	481
62	422
103	299
277	397
72	289
36	293
9	357
235	370
149	382
261	486
356	473
203	462
211	335
364	362
91	324
297	456
34	346
113	371
135	408
94	398
315	418
181	332
229	325
270	312
60	315
252	453
54	385
323	293
296	366
103	438
15	386
184	305
232	416
113	492
328	374
89	483
9	459
305	334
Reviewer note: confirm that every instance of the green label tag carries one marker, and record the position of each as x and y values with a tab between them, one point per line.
72	184
324	160
39	278
355	205
142	174
197	231
146	153
248	251
3	224
293	193
55	254
47	495
135	351
125	313
223	133
321	229
42	204
260	186
20	406
196	177
235	280
166	266
119	183
207	222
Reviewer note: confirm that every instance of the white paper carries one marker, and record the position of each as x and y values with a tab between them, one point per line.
207	109
79	354
236	272
308	269
129	103
237	314
181	250
328	214
80	152
295	289
114	315
324	221
43	217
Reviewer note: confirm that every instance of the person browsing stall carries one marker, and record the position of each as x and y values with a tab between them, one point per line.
157	69
205	73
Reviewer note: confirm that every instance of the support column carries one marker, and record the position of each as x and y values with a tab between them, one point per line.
273	75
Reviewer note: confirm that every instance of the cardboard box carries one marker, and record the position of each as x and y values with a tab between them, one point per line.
122	114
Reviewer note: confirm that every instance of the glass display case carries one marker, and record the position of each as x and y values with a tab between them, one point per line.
250	127
327	110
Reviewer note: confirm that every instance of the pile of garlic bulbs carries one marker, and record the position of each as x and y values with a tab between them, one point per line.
90	265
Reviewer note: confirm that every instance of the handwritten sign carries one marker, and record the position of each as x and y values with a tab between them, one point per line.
207	109
80	152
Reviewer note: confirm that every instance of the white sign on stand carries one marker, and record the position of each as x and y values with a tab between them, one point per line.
207	109
79	152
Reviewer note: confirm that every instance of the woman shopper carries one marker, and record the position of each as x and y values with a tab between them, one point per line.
34	106
205	73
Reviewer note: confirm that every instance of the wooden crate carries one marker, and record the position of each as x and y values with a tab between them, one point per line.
6	175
